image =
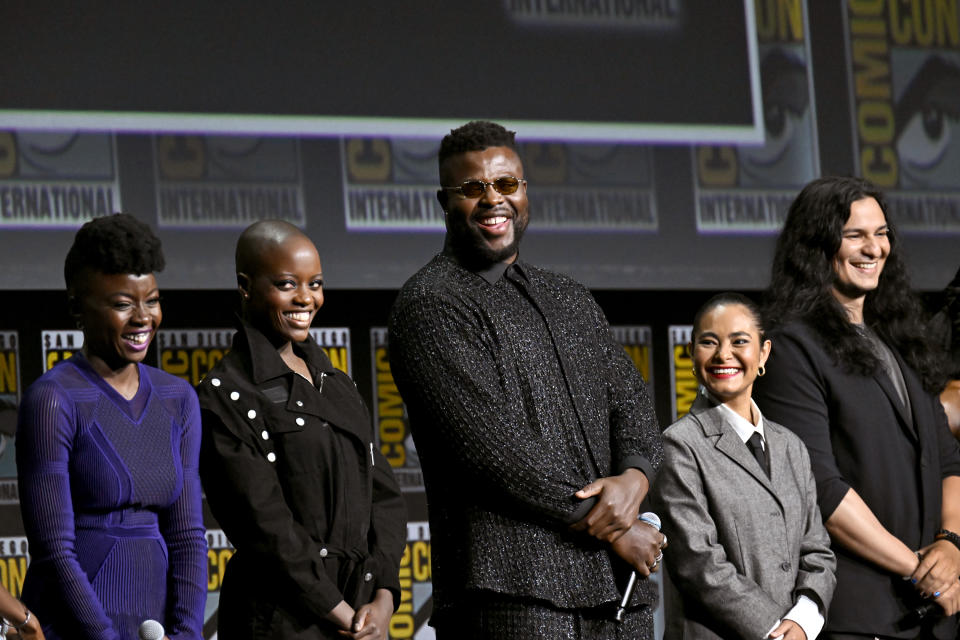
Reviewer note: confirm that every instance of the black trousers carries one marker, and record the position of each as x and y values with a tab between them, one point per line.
502	617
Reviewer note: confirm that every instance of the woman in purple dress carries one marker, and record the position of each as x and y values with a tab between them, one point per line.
107	452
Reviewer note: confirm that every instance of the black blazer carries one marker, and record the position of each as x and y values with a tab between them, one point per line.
860	436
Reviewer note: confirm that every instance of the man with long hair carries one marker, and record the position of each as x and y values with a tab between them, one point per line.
853	375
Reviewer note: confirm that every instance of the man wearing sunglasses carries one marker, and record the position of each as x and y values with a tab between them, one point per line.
535	433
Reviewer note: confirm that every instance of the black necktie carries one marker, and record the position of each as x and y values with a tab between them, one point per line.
755	444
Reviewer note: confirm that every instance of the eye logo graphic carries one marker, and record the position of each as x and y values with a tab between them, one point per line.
905	81
749	189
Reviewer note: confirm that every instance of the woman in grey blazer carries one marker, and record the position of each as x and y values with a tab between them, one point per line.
749	555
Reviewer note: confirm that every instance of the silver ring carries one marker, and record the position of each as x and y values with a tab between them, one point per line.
664	543
658	558
653	567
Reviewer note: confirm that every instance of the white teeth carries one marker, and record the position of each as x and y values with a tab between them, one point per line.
724	372
864	265
300	316
136	338
495	220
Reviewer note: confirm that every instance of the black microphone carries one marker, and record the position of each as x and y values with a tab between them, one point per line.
926	609
150	630
653	520
918	614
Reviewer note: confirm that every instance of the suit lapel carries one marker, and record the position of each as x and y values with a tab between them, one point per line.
777	450
731	445
890	391
714	424
922	406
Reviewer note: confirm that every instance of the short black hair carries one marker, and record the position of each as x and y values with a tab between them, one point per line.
729	297
113	244
476	135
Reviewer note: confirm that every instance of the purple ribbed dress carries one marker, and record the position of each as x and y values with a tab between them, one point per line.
110	497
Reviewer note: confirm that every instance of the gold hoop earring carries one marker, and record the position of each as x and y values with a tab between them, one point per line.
761	371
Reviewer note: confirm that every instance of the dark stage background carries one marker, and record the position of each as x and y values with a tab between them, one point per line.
663	141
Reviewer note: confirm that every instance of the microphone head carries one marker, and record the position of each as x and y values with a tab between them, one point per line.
150	630
651	519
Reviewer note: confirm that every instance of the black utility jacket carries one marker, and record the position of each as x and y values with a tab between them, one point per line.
294	477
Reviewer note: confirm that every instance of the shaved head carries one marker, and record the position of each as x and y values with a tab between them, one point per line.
261	238
280	280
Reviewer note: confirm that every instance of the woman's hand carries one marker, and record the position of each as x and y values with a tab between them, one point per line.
618	503
30	631
341	615
372	620
788	630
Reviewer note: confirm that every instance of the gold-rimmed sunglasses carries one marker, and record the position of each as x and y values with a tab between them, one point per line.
476	188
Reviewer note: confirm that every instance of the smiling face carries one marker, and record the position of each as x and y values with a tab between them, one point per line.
864	248
285	291
727	352
488	228
119	313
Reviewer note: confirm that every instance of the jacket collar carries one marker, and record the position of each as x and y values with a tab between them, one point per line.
713	422
267	369
266	363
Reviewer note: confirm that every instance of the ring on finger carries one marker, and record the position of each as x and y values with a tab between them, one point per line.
658	558
663	542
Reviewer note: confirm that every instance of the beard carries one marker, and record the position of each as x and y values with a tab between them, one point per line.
470	247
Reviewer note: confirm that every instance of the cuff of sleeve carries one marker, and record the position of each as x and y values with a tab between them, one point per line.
635	462
829	496
324	595
388	577
395	591
581	510
807	614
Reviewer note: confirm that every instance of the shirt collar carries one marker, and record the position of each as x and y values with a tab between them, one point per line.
743	427
495	271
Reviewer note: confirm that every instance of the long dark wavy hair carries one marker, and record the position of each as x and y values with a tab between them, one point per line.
803	277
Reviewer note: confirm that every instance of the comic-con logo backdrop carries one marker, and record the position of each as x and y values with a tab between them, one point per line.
904	66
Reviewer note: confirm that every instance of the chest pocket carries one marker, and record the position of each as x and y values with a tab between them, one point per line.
299	442
303	449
